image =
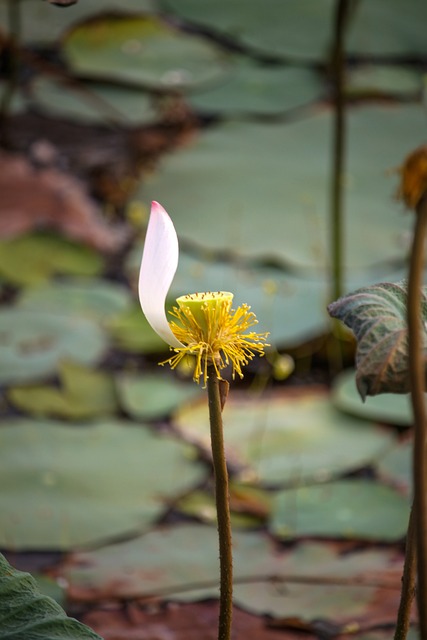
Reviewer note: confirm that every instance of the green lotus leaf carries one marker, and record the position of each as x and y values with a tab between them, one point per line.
84	393
181	563
33	343
32	259
149	397
82	484
390	408
142	51
26	613
131	332
93	103
355	509
288	439
92	298
263	190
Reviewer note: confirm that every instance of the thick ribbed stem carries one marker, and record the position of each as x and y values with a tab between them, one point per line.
216	401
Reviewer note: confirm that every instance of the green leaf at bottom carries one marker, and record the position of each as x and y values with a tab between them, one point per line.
26	614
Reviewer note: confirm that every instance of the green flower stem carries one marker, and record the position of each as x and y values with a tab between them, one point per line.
216	400
417	381
408	582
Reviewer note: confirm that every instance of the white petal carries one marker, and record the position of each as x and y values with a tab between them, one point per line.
158	267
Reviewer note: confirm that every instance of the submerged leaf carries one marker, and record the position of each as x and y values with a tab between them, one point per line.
377	316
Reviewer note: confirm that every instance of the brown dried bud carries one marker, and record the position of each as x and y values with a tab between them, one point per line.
413	173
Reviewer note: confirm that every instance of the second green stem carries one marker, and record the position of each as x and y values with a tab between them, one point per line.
222	505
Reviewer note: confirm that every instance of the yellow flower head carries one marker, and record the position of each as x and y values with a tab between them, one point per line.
214	333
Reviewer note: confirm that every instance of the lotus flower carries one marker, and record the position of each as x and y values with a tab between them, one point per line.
204	324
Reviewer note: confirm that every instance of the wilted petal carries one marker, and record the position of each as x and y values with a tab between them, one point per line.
158	267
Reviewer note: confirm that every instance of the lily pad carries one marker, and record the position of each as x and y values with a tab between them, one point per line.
149	397
68	486
142	51
352	509
396	465
303	29
43	23
33	258
387	407
95	299
131	332
93	103
181	563
84	394
260	190
380	80
283	438
251	88
33	343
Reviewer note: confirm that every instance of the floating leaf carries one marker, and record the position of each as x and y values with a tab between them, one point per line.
26	613
288	438
33	343
131	332
396	465
144	51
300	29
384	80
149	397
84	394
96	299
67	486
34	258
259	89
263	190
181	563
387	407
345	509
93	103
42	23
377	317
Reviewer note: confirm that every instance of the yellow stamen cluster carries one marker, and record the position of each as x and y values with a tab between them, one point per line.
215	333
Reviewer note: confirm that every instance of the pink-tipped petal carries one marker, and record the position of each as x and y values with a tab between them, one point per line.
158	267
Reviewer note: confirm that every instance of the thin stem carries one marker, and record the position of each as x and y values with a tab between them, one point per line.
417	382
222	498
343	14
408	582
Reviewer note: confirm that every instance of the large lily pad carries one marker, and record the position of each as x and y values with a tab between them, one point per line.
95	298
142	51
303	29
263	190
256	89
84	393
93	103
282	438
33	258
181	563
131	332
343	509
396	465
33	343
65	486
387	407
43	23
147	397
